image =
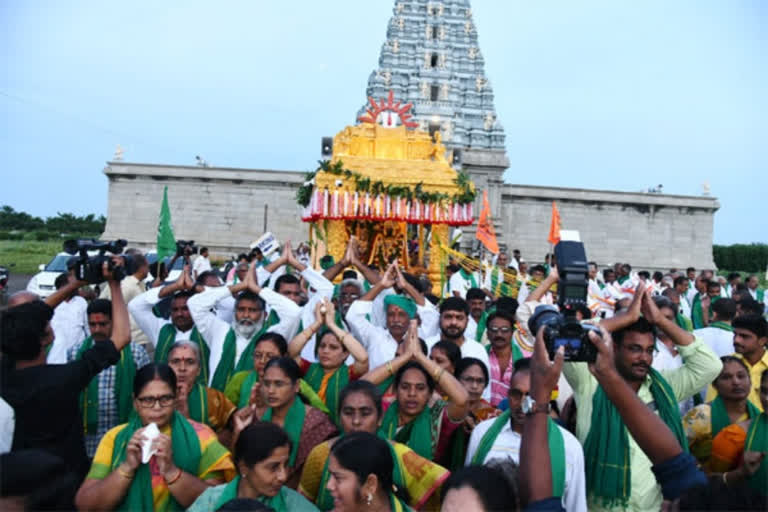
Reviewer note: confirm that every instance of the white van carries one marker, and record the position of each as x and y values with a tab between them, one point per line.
42	283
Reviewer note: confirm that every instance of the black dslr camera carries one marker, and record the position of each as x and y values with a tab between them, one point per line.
88	268
562	328
185	248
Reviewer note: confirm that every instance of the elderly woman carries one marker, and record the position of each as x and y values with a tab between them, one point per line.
360	470
330	373
360	410
186	456
194	400
305	425
262	453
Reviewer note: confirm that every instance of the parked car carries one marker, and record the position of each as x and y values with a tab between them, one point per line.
42	283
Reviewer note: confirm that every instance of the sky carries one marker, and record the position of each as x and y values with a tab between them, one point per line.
591	94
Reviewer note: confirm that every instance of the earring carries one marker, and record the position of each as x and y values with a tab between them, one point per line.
369	500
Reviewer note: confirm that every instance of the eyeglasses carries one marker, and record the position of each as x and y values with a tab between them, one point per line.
262	356
277	384
148	402
516	394
353	296
473	380
502	330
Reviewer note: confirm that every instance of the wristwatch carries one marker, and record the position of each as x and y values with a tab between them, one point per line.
530	406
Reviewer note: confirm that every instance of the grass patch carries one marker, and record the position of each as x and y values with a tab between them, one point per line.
27	255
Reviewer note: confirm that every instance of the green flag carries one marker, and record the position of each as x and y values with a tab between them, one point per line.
166	242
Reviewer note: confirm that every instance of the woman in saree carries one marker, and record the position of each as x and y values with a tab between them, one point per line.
739	450
360	410
360	468
187	458
705	421
244	387
447	355
262	452
330	373
306	426
473	375
415	417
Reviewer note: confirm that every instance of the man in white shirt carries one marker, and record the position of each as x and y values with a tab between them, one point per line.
495	275
454	313
229	343
506	444
667	357
381	342
201	263
69	322
462	280
719	333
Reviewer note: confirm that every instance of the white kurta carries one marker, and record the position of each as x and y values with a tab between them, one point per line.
70	326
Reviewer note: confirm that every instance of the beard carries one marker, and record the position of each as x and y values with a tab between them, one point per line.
452	333
245	328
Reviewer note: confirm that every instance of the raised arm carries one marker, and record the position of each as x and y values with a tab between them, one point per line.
386	281
535	465
407	287
334	270
618	322
121	326
63	293
354	347
458	398
370	275
546	284
296	345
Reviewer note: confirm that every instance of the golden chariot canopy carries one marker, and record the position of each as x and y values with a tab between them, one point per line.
390	186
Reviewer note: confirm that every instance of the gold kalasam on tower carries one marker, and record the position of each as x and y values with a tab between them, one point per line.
392	188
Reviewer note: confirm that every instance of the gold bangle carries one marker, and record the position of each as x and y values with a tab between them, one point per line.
437	370
725	479
439	375
124	474
389	367
174	479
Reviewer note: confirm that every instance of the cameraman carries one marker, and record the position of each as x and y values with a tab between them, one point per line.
618	472
201	263
133	286
46	398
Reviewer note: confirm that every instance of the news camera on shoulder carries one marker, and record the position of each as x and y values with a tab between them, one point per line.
88	268
561	325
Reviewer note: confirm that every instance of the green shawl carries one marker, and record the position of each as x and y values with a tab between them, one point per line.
336	382
721	325
757	441
227	365
556	449
516	352
325	500
125	371
167	337
500	288
197	401
684	322
419	434
186	455
294	422
468	276
719	415
606	448
277	502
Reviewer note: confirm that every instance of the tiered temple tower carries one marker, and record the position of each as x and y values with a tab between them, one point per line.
432	58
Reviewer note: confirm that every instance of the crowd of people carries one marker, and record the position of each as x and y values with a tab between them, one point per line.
279	386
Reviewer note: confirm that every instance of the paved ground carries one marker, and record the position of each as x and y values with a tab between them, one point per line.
17	282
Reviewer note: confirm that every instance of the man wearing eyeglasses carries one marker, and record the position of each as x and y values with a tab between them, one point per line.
107	398
500	438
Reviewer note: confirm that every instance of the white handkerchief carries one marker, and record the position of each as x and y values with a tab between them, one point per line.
150	433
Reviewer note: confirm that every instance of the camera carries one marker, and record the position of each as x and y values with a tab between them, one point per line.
561	327
185	247
89	268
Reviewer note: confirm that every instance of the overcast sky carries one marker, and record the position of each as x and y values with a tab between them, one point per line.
592	94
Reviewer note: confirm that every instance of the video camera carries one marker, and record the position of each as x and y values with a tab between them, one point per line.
89	268
561	327
185	247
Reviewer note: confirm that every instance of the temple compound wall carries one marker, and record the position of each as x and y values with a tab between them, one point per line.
225	209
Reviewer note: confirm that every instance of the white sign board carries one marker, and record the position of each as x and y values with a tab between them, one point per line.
267	243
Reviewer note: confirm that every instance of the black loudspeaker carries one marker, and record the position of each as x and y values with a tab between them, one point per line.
326	148
456	157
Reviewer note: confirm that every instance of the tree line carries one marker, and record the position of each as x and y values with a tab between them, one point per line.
15	224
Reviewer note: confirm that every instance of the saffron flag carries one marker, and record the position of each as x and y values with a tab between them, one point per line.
166	242
554	226
485	232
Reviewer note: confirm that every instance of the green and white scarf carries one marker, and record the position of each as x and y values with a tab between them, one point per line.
719	415
556	449
186	455
468	276
606	448
294	422
125	371
276	502
420	434
336	382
